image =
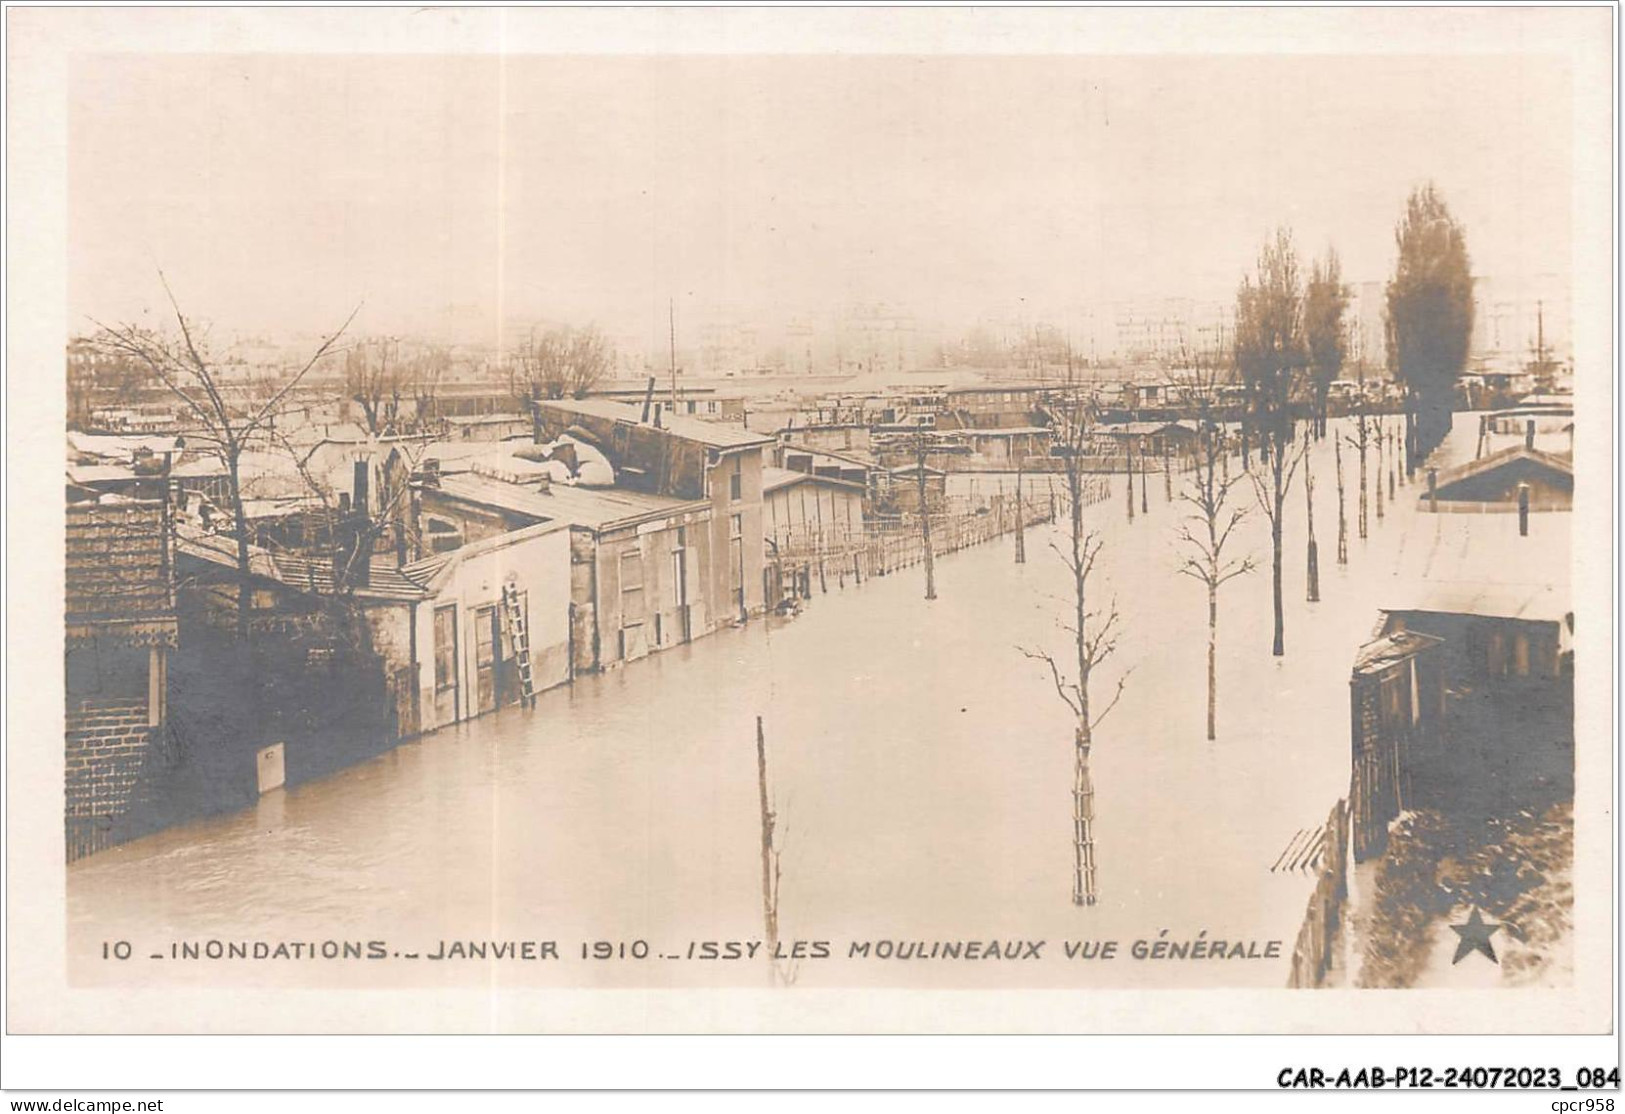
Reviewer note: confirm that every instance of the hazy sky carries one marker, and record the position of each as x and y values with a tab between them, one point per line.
278	191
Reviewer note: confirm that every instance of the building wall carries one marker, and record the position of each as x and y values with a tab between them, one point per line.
540	567
802	517
639	603
743	562
108	745
391	628
475	523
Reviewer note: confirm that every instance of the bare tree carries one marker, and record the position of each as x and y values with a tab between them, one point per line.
1361	443
373	380
1205	534
1270	357
587	361
1324	305
232	419
426	370
560	363
1094	636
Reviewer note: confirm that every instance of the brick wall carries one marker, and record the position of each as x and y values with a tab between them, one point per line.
108	748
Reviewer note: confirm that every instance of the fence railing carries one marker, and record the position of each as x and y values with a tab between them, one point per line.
1312	953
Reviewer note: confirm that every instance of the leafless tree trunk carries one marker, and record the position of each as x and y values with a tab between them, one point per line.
1392	457
1342	516
1379	471
1094	636
1361	443
1309	510
1272	498
1128	468
1204	535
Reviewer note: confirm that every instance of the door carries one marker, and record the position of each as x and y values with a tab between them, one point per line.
485	659
445	664
679	584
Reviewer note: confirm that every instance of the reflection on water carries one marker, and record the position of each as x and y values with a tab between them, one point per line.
921	768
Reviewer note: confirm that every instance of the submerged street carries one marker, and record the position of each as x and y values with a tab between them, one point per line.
921	771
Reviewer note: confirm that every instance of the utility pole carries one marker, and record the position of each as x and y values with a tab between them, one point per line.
671	334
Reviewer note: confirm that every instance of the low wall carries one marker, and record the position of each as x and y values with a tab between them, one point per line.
106	771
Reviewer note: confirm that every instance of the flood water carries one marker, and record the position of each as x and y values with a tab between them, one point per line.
921	769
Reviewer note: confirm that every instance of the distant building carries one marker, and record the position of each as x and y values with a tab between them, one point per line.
877	339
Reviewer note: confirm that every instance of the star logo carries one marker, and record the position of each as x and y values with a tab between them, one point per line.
1475	937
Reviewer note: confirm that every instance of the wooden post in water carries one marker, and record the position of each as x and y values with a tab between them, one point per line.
1393	450
1128	470
770	857
1021	534
925	521
1379	471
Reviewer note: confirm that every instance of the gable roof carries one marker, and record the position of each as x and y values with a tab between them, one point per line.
1561	466
773	479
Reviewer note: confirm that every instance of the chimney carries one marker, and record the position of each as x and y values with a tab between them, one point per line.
362	469
648	397
1433	489
1523	509
1529	434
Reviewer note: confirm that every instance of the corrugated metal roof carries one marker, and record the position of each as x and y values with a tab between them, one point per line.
303	574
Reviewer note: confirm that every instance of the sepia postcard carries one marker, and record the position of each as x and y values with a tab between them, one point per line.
928	521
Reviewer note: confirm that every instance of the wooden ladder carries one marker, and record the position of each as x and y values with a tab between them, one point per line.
514	616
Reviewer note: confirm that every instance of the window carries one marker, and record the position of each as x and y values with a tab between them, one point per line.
710	407
736	526
443	536
735	484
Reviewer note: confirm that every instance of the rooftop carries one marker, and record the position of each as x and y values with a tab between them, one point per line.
775	478
594	507
1480	565
299	572
716	435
